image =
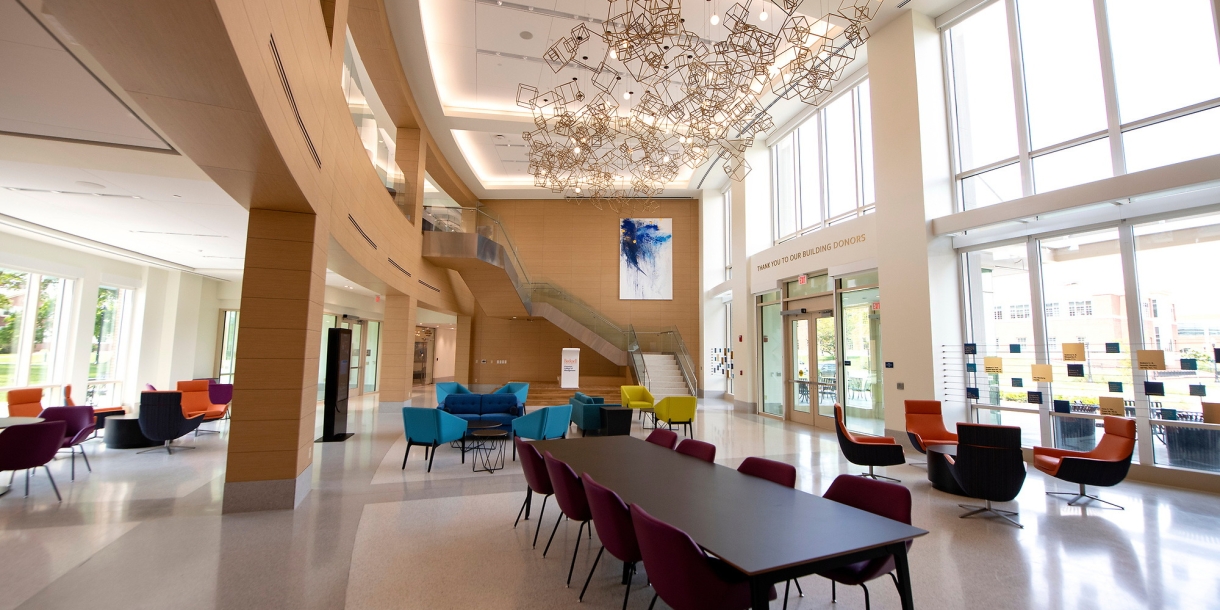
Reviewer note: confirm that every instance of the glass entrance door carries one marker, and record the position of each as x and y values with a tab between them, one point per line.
827	363
812	366
800	369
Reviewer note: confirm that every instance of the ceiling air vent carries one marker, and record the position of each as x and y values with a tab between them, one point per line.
292	101
361	231
398	267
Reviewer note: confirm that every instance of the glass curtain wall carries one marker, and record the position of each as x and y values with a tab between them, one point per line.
862	388
371	347
823	169
1120	323
1047	94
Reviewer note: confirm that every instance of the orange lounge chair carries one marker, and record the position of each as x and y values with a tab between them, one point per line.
25	402
196	400
1104	466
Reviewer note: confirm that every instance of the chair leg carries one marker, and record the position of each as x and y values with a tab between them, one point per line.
27	482
1003	514
576	551
524	505
1081	498
654	601
405	454
86	456
590	577
630	575
72	450
538	528
877	477
867	603
53	486
552	539
786	587
798	587
434	445
834	593
514	447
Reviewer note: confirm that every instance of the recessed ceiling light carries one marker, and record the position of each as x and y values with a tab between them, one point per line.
178	196
527	34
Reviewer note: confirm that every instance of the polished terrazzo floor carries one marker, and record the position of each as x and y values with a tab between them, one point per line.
145	531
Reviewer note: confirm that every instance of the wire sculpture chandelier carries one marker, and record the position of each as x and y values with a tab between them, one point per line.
696	98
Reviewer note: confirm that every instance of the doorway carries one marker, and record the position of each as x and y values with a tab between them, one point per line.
362	377
811	369
425	348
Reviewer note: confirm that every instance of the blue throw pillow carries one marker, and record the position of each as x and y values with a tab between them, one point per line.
463	404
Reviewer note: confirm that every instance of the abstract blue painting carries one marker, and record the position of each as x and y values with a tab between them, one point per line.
646	259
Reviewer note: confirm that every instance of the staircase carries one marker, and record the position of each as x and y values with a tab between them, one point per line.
482	252
665	376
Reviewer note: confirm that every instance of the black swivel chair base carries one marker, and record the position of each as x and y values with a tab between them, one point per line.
1006	515
876	477
168	447
1082	498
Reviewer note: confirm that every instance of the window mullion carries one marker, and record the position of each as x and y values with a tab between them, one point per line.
950	117
1110	87
823	159
856	139
1037	307
29	319
1018	91
1135	332
797	182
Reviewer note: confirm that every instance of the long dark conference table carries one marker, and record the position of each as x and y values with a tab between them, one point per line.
769	532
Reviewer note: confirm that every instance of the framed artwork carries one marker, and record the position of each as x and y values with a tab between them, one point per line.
646	259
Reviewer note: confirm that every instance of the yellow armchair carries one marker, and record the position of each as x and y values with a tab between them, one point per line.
636	397
678	410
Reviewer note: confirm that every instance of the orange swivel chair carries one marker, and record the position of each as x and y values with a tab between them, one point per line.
1105	466
926	426
196	400
25	402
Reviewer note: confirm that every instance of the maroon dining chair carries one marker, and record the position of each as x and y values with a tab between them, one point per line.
681	574
570	495
79	422
699	449
771	470
613	520
664	438
29	446
889	500
537	481
780	474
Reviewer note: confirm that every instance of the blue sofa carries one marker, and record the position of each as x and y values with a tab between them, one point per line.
586	412
500	409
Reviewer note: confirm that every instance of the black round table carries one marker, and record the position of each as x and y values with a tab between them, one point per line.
938	469
489	449
124	433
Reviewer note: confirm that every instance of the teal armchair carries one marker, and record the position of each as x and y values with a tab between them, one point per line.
587	412
519	389
446	388
545	423
430	428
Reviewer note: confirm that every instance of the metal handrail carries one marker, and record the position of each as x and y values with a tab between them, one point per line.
636	357
685	363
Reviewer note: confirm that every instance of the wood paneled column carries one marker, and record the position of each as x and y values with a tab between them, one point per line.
461	361
276	377
398	350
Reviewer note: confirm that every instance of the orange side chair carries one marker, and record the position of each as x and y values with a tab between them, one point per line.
1105	466
25	402
926	426
196	400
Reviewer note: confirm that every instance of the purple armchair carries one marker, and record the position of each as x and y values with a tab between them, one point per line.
30	446
613	520
889	500
780	474
570	495
80	424
681	574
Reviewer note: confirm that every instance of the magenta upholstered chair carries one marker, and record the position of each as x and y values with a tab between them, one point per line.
220	394
699	449
664	438
771	470
681	574
30	446
79	422
780	474
613	521
889	500
570	495
148	387
537	481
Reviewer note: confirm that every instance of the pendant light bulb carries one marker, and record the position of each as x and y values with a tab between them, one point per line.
762	16
715	19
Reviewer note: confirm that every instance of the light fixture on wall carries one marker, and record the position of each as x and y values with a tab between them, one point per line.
699	97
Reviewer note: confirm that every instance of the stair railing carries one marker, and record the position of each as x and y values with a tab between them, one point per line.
636	356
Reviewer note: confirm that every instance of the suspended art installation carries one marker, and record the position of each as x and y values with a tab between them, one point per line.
684	98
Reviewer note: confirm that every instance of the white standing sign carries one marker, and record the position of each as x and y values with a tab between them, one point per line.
570	372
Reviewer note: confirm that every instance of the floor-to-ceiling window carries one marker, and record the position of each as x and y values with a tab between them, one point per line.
107	354
863	407
822	170
372	344
772	351
227	357
34	311
1047	94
